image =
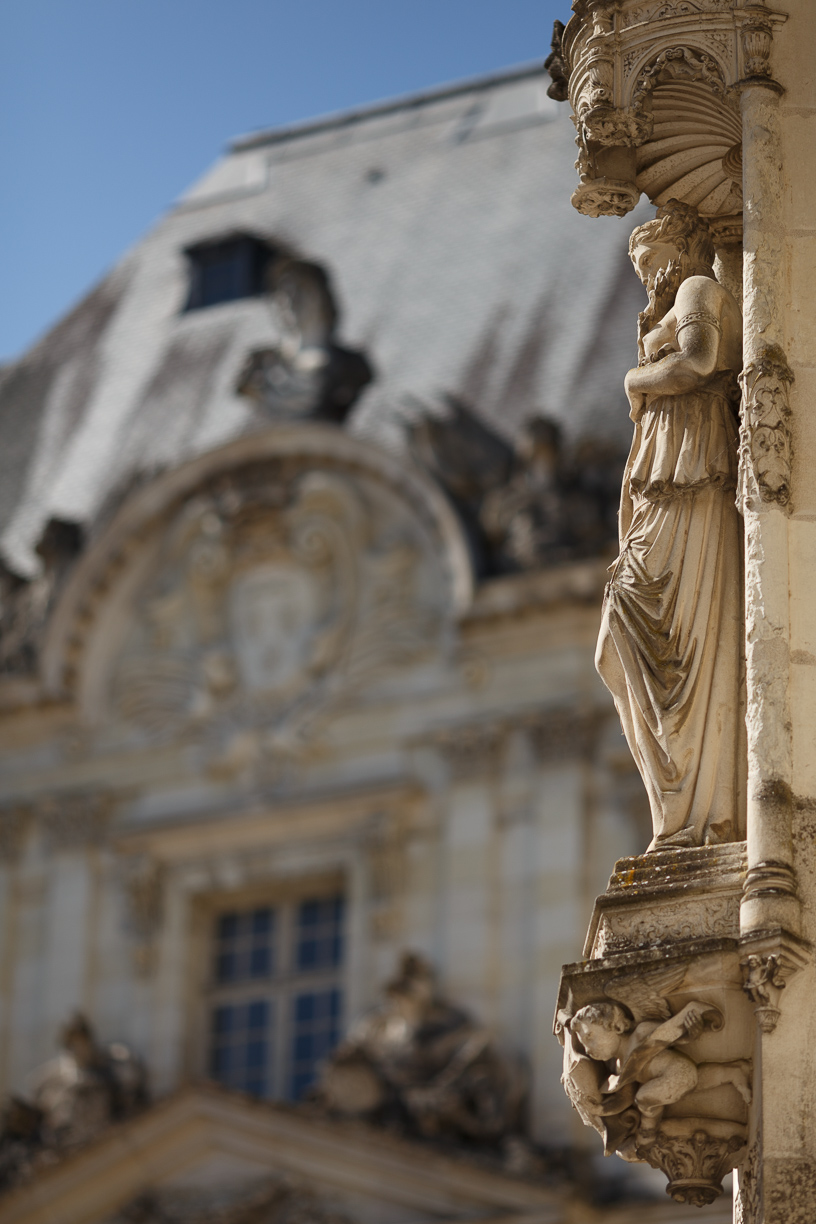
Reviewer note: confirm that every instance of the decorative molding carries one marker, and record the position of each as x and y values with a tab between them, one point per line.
667	897
765	439
72	822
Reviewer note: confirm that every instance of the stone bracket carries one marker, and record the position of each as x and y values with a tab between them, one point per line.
769	959
663	975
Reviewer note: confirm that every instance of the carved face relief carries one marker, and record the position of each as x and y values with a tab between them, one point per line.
274	610
271	598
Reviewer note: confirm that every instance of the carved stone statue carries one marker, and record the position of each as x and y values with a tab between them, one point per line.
622	1067
420	1064
669	647
72	1098
305	373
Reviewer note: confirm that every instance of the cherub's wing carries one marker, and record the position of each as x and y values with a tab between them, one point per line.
645	993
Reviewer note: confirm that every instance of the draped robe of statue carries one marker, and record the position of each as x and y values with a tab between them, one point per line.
670	643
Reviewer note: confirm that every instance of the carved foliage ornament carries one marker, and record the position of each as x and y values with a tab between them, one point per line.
765	447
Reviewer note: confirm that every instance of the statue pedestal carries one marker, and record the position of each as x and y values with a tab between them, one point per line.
658	899
664	970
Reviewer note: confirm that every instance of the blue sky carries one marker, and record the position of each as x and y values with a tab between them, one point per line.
109	108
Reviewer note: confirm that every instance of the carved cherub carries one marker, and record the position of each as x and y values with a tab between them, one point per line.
621	1065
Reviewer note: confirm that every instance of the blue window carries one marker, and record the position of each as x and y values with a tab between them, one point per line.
315	1032
226	270
276	999
245	945
320	933
241	1046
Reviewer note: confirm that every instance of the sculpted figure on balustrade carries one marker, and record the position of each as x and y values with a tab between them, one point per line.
670	643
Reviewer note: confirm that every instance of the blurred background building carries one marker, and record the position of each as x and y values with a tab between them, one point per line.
307	781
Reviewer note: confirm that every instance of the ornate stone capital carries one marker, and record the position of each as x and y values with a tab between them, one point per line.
695	1161
765	440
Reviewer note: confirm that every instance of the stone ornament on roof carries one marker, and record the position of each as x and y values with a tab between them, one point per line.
306	373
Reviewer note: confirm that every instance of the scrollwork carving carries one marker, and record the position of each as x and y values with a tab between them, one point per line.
746	1200
663	924
765	447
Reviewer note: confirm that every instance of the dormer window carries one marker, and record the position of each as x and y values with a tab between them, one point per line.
226	270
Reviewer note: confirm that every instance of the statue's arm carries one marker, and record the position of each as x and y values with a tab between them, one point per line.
698	311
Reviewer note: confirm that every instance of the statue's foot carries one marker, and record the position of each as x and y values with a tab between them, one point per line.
683	839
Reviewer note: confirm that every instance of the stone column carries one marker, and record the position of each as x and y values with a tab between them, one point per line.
770	896
777	1182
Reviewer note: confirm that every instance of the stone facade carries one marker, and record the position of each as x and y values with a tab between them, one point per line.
298	602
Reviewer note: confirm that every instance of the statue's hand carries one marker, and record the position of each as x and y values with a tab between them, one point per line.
692	1021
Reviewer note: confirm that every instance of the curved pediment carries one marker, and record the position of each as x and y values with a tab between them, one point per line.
256	590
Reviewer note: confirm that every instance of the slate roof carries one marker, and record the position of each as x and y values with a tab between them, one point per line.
457	261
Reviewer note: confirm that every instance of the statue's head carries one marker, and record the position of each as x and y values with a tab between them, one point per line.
413	990
77	1038
675	245
599	1028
